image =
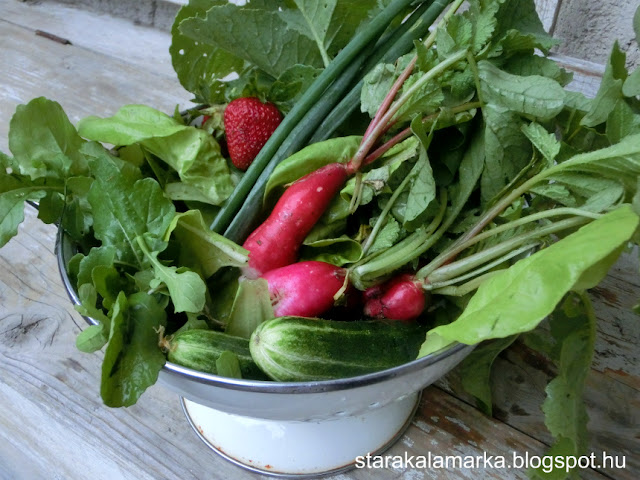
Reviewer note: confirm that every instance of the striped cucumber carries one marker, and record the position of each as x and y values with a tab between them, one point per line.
200	349
298	349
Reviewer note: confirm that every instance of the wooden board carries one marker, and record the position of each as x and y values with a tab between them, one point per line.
52	421
85	81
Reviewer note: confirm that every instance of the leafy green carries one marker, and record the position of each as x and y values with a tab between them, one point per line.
202	250
186	288
94	337
507	150
546	143
235	30
422	190
573	328
518	298
191	152
13	193
610	89
532	95
125	208
132	358
44	142
228	365
475	371
216	56
310	158
251	307
337	251
201	68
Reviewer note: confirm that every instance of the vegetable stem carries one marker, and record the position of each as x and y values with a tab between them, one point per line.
382	219
380	127
459	247
428	285
384	148
414	27
315	91
464	265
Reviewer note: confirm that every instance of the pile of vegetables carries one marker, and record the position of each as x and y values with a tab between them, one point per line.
425	186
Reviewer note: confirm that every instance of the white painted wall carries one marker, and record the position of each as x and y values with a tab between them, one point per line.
588	28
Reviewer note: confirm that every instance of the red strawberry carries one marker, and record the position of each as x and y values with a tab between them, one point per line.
248	124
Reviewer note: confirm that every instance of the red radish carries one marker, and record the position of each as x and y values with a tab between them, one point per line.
275	243
401	298
304	289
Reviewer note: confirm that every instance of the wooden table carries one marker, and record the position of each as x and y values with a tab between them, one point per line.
52	422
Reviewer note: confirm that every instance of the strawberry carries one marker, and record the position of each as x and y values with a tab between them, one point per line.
248	124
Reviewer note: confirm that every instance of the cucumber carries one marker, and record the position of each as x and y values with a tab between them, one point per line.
297	349
199	349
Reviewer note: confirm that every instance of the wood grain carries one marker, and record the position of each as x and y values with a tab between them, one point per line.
53	424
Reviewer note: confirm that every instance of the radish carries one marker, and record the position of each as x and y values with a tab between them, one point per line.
401	298
275	243
304	289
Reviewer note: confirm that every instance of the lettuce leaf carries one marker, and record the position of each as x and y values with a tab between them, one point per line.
517	299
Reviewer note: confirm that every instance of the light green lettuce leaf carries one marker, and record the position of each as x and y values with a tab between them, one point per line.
251	307
518	298
190	151
201	249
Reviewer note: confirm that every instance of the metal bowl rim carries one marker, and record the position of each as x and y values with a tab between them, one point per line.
270	387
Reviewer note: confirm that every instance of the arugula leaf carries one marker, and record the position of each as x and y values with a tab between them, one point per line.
186	288
132	359
518	298
13	193
574	330
201	249
124	208
484	22
104	255
610	89
251	307
94	337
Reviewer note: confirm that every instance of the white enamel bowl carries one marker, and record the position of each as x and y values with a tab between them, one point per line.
297	429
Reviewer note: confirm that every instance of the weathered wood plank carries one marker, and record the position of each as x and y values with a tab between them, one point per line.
519	378
56	425
117	38
82	81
